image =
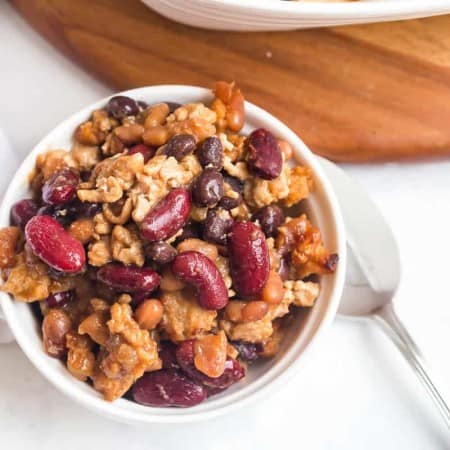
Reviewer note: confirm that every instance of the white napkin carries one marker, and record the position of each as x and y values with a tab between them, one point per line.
9	163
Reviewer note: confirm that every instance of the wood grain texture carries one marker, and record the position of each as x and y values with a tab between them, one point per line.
364	93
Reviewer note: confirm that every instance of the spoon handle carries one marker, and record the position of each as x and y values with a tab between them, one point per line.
394	328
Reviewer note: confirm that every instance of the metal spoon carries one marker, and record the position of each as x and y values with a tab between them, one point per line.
373	274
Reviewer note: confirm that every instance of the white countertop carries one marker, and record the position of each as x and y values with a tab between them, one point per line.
356	393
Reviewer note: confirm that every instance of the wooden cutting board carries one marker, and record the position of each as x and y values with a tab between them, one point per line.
363	93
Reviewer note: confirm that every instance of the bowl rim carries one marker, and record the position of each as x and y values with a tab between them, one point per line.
230	402
296	9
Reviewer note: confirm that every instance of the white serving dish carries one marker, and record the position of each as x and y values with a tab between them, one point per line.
273	15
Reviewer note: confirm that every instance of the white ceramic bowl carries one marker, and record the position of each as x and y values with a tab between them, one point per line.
324	211
273	15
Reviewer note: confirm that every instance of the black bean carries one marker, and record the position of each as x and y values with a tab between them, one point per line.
229	203
208	188
216	226
235	184
210	153
180	145
270	218
172	106
190	230
121	106
160	252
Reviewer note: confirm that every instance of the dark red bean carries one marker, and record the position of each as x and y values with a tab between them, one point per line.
146	151
168	216
180	146
249	258
233	370
60	298
331	262
160	252
264	155
129	279
247	350
121	106
137	297
23	211
167	388
270	218
210	153
198	270
60	188
167	353
55	246
216	226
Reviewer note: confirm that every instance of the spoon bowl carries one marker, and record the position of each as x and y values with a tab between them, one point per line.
373	274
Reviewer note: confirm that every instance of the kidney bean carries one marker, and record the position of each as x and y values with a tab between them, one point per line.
60	298
180	146
210	154
121	106
249	258
129	279
146	151
160	252
23	211
216	226
60	188
233	370
270	218
55	246
168	216
167	353
55	326
331	262
198	270
264	155
208	188
167	387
